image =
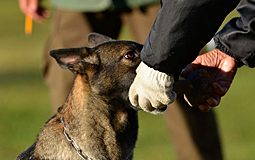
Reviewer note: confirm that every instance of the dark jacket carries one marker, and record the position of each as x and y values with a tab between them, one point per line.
237	38
183	27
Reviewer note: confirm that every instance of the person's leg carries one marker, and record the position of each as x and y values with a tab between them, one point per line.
193	140
193	133
70	29
140	21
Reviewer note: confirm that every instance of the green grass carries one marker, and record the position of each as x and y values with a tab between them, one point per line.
25	104
236	117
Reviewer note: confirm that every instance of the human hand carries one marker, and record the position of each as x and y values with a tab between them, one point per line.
222	69
33	9
151	90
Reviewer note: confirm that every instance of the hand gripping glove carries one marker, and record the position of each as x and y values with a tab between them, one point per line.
151	89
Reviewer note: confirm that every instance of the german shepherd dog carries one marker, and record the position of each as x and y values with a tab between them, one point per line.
97	120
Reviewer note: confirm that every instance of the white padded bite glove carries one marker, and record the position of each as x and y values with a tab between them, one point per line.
151	89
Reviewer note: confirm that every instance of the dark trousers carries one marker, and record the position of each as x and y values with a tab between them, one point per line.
194	134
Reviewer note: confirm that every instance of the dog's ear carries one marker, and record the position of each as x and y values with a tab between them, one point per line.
75	59
95	39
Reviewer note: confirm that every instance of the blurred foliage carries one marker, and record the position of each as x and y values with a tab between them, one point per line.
25	104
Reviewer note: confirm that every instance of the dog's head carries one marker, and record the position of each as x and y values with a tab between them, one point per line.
109	65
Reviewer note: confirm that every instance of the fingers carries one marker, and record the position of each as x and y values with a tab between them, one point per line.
220	90
189	68
133	96
204	107
218	93
32	9
40	15
33	6
215	100
28	6
23	6
145	104
212	102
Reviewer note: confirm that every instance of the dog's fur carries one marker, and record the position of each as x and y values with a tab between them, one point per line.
97	112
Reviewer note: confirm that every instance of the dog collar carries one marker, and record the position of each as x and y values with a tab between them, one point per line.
82	154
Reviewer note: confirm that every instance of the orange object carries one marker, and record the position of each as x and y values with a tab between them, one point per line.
28	25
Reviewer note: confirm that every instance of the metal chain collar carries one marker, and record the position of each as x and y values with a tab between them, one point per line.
82	154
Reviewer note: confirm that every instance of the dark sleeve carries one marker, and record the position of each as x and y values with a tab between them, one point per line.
180	31
237	38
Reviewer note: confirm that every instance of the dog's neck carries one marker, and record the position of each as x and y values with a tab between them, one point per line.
94	121
76	99
83	104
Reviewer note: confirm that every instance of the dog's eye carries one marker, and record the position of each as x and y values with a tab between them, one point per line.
130	55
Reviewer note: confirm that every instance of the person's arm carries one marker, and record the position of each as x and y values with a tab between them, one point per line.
180	31
237	38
